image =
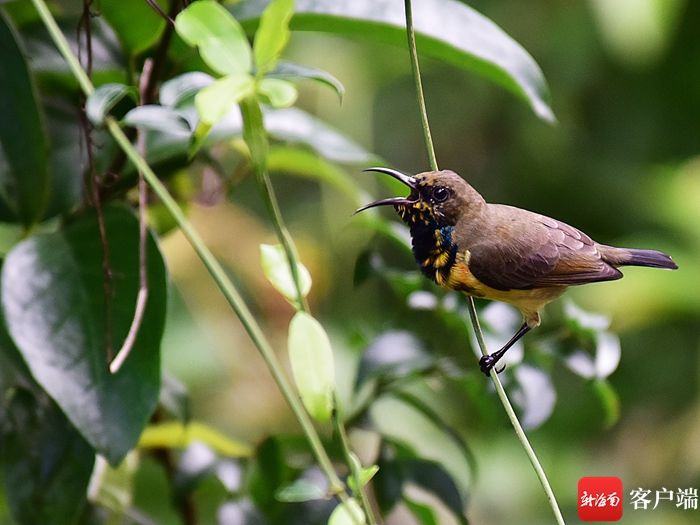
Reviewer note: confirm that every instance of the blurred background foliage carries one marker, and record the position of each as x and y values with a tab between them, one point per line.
622	164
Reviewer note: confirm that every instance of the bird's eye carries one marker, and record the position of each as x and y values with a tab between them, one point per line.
440	194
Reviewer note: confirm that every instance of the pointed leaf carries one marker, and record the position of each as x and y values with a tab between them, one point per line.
272	34
292	71
220	39
276	268
295	125
609	400
182	89
218	98
311	357
445	29
104	99
52	294
277	92
24	171
365	474
423	513
157	118
301	490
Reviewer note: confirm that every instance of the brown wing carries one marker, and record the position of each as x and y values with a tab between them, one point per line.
531	251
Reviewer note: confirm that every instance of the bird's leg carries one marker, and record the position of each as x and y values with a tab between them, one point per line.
487	362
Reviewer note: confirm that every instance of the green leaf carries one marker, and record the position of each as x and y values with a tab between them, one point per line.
272	34
136	24
158	118
217	99
104	99
54	303
222	42
24	171
174	434
423	513
295	125
275	266
277	92
445	29
311	358
436	419
609	400
347	513
292	71
182	89
364	473
432	477
46	463
301	490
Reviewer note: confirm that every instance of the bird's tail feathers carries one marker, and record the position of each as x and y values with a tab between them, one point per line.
636	257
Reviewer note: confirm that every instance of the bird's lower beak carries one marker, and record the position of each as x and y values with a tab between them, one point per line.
406	179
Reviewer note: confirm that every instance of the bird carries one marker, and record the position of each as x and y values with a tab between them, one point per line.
500	252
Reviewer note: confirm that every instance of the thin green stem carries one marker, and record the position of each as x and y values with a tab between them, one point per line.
532	456
411	35
354	472
213	266
256	139
512	416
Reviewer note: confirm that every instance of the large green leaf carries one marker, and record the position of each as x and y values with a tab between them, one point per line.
311	358
137	25
24	171
445	29
46	463
272	35
54	303
219	37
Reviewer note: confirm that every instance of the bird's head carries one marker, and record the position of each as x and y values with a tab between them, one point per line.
438	197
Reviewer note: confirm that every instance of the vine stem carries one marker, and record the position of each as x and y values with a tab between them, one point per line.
256	139
213	266
354	472
512	416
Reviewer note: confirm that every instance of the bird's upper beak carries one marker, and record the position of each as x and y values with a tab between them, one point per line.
406	179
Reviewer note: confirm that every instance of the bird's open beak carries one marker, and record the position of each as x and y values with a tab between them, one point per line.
406	179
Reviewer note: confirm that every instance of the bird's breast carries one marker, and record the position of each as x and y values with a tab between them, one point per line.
434	250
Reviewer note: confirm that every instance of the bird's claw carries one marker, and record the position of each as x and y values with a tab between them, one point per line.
487	362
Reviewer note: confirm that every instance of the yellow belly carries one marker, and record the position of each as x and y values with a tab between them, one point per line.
529	302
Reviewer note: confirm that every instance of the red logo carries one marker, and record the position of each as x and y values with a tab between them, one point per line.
600	498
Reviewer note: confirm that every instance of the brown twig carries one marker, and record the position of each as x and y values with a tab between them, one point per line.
154	5
151	86
92	184
142	296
